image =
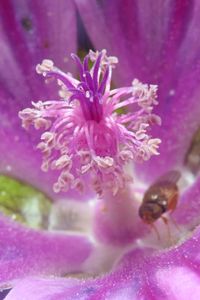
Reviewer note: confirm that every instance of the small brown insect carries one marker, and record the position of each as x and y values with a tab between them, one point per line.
161	197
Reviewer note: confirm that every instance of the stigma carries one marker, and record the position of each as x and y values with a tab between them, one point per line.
93	130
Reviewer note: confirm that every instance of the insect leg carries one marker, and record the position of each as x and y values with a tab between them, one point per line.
175	224
166	221
155	230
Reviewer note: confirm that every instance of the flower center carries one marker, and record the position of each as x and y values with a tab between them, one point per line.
101	140
83	131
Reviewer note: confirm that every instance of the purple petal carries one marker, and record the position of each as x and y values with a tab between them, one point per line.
30	31
29	252
142	37
37	30
141	274
180	121
158	43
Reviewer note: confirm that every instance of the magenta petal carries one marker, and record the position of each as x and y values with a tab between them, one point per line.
150	33
36	30
29	252
180	120
171	274
29	32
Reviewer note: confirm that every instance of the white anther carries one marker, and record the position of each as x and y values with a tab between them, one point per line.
104	162
63	162
45	67
126	155
153	146
47	136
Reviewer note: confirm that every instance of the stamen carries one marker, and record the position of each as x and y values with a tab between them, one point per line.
83	133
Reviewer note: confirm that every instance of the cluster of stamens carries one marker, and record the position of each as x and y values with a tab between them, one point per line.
84	133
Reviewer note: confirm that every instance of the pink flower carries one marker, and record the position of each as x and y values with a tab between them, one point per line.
99	248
